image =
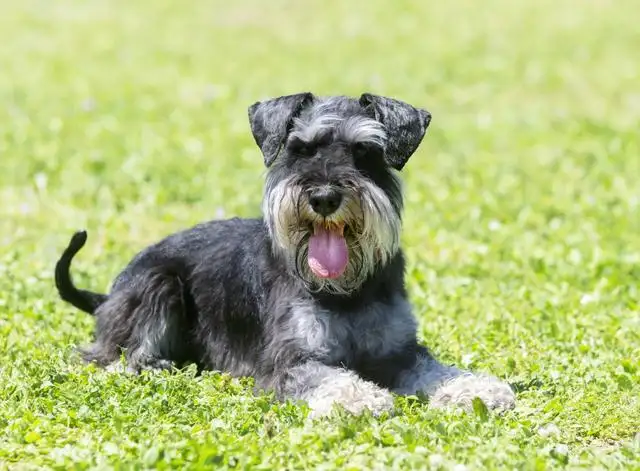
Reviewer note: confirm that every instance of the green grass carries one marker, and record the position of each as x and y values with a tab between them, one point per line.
522	223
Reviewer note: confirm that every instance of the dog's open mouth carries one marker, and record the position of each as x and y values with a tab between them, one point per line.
328	253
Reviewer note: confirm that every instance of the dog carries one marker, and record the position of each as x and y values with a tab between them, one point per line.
309	299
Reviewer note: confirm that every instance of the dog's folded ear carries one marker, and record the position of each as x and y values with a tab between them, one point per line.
271	121
405	126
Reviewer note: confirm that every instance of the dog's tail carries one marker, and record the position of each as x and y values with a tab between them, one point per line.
87	301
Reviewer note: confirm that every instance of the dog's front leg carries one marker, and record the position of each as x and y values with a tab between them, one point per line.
323	386
446	385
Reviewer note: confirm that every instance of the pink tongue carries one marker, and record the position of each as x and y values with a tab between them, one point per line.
328	253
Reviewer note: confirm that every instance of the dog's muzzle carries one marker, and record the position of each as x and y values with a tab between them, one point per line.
328	255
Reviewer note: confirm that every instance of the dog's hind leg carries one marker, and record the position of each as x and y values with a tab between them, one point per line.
146	320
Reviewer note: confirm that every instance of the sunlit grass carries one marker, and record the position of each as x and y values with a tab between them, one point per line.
522	222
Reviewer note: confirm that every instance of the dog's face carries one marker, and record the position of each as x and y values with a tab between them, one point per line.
332	199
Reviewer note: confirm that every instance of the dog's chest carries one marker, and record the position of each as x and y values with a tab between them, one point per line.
374	331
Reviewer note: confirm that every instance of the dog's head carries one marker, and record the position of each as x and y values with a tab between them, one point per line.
332	200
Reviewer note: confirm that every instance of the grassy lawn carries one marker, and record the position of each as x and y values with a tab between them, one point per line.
522	222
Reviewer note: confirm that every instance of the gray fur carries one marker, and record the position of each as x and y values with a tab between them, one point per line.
238	296
270	122
406	123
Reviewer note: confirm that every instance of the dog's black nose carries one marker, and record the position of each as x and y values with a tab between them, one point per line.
325	202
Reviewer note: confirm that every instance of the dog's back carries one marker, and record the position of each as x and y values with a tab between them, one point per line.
200	286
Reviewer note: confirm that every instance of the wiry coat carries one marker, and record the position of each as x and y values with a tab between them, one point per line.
237	295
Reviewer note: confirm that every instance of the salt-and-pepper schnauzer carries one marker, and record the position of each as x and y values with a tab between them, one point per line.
310	299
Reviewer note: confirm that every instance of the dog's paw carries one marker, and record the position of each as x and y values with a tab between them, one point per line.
133	367
352	393
119	367
462	390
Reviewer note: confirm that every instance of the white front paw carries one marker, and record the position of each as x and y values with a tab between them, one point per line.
462	390
352	393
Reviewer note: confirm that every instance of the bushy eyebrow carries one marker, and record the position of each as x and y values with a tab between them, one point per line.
353	129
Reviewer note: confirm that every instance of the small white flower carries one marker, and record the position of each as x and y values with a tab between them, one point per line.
561	449
589	298
494	225
435	461
548	430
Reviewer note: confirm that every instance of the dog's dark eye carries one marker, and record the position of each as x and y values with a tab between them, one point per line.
299	147
325	139
360	150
